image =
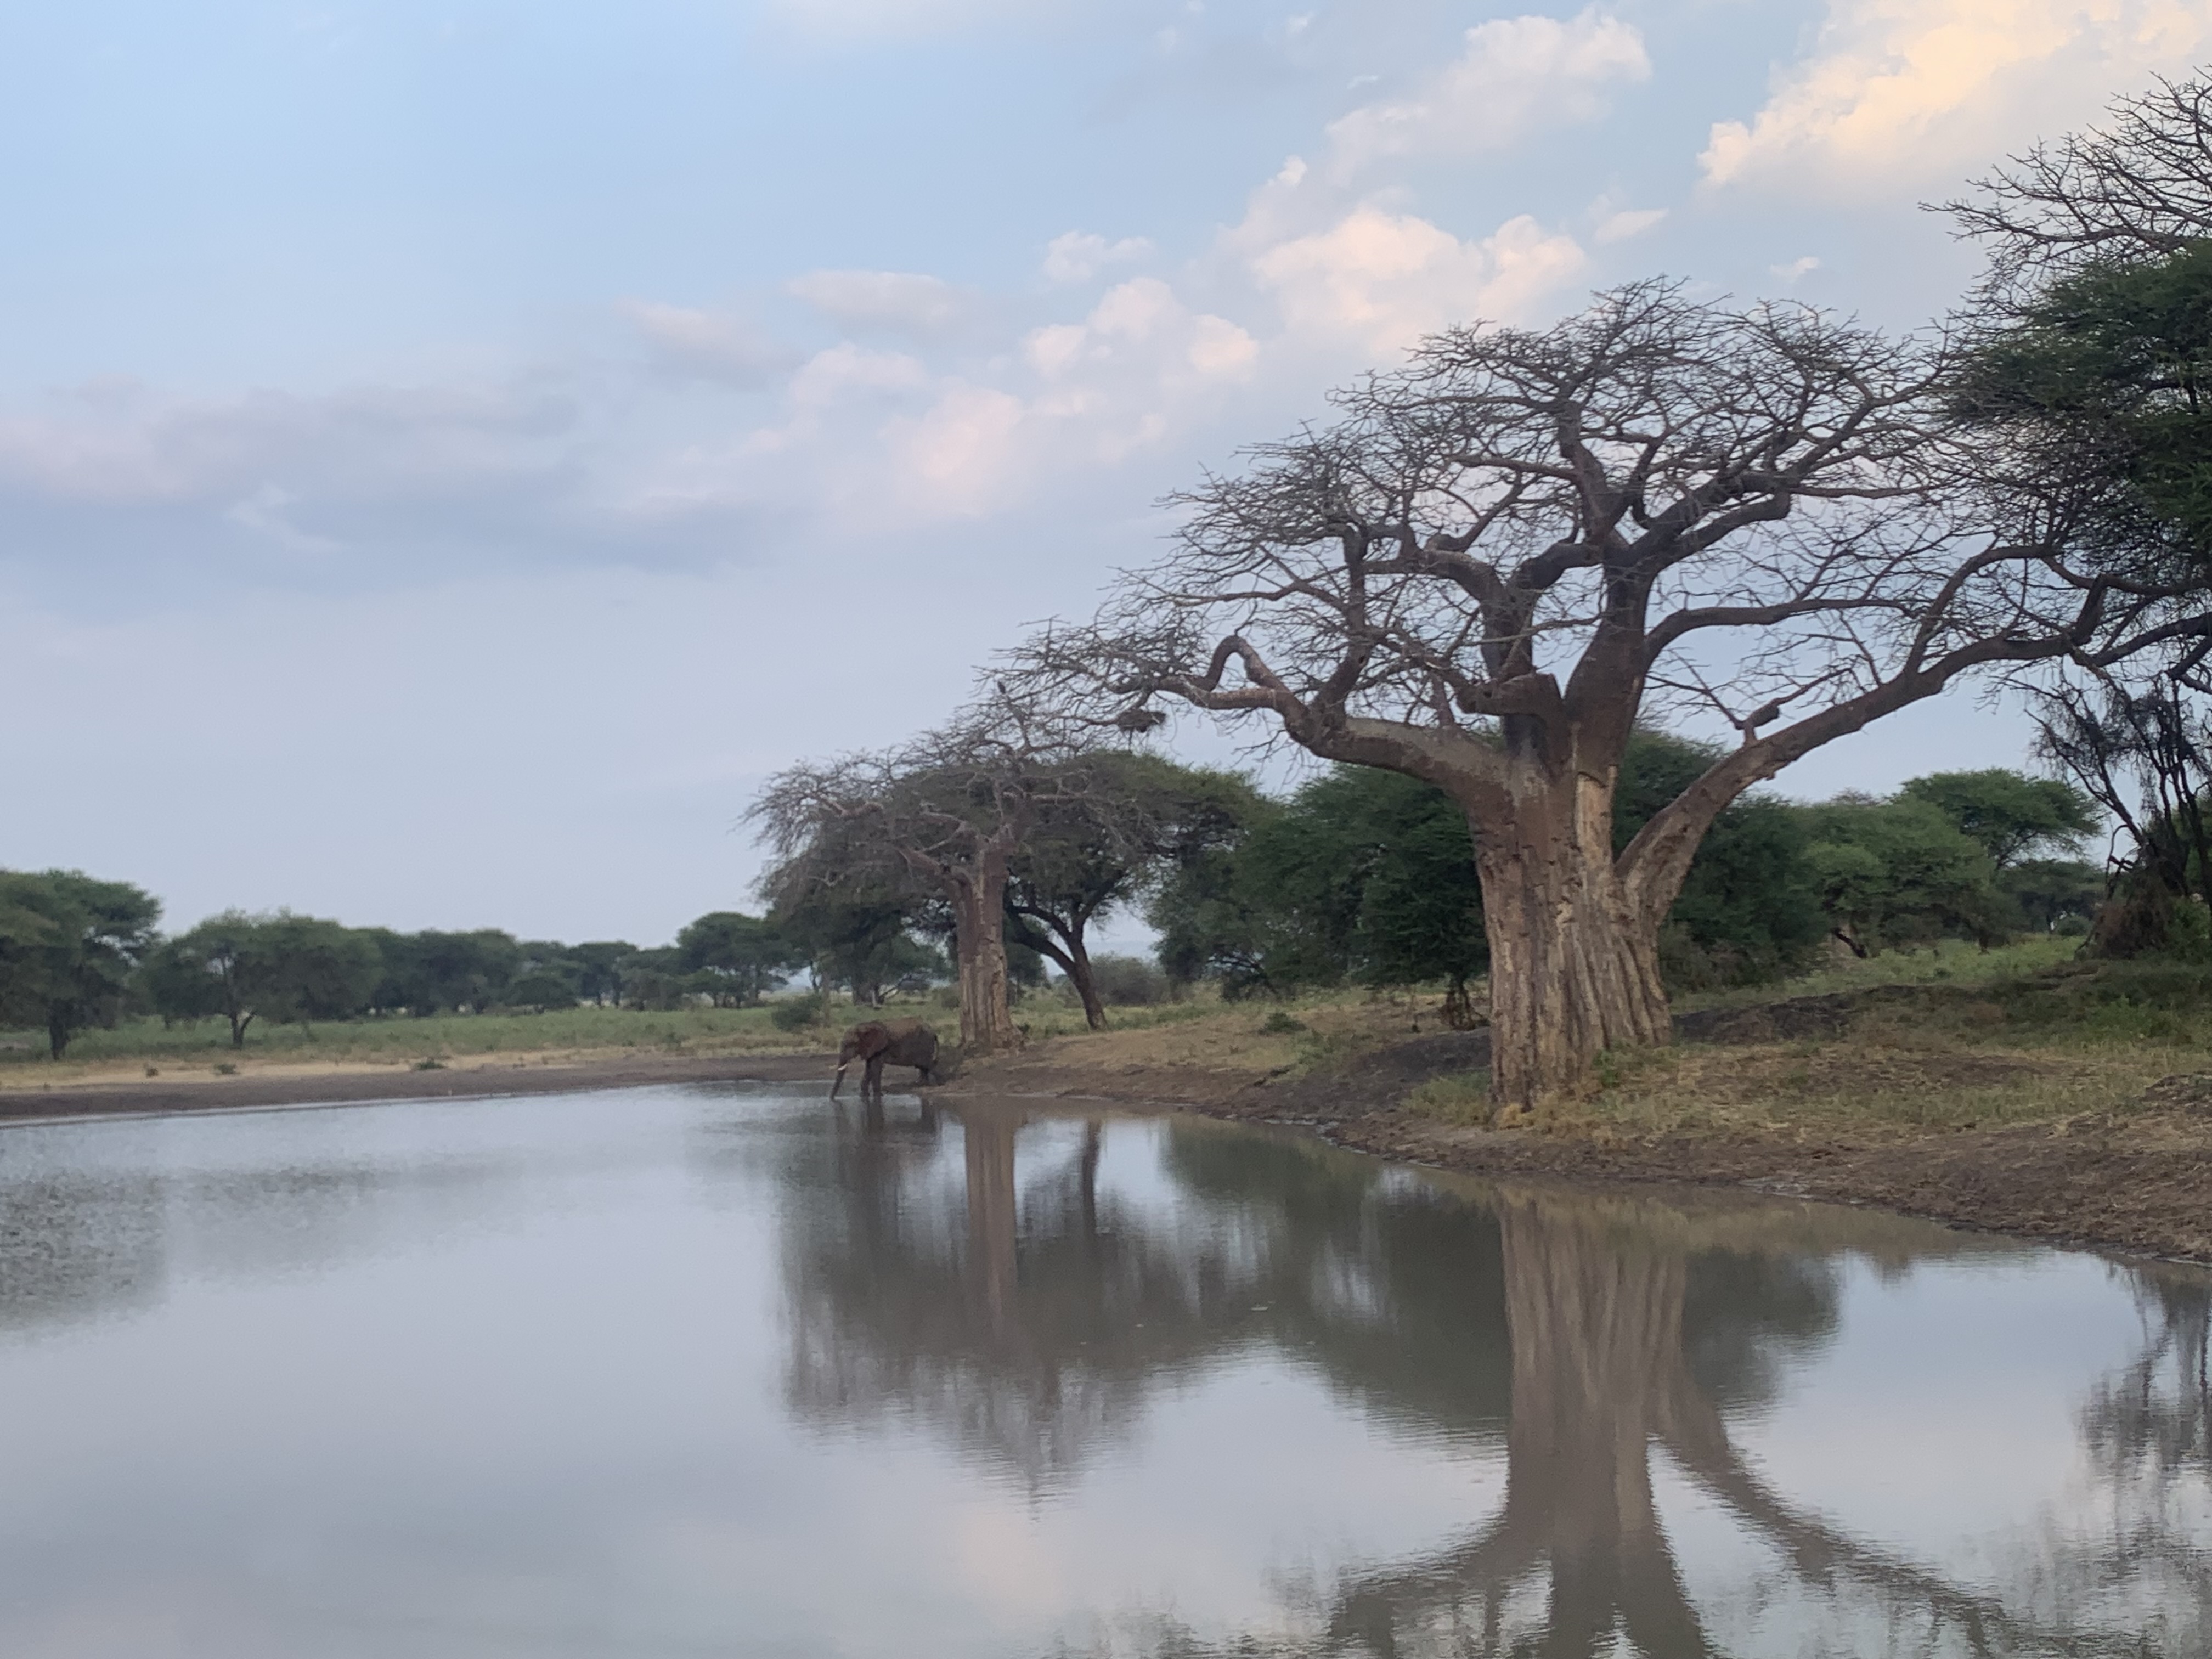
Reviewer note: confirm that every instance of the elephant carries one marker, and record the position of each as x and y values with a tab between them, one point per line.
886	1042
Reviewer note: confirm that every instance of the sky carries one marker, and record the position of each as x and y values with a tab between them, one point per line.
452	452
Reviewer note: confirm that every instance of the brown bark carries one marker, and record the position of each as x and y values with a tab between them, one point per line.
1086	986
1574	965
979	922
1071	953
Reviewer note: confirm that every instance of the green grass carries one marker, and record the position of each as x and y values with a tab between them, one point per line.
1462	1098
1047	1014
441	1036
1952	962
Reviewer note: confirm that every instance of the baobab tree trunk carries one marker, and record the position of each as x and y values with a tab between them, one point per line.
979	943
1574	963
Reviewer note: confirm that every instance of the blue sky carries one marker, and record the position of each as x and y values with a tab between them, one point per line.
450	453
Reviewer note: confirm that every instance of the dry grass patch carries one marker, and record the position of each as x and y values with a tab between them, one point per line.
1462	1101
1884	1088
1267	1038
1952	962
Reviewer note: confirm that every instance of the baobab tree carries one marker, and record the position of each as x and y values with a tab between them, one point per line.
948	809
1503	557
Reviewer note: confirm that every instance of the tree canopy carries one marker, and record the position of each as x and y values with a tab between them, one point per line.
2009	814
1098	847
68	946
282	967
736	956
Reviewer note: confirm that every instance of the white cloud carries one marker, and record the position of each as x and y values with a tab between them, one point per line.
1618	226
1141	365
1077	256
711	344
267	513
846	369
116	443
1141	323
1795	268
1919	90
1384	279
960	457
889	301
1516	75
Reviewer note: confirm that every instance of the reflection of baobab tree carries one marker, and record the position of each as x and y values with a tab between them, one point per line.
1599	1381
2136	1549
2154	1418
1024	1313
1006	1302
1013	1309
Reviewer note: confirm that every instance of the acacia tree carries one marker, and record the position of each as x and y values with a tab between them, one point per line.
2138	188
2146	757
69	944
1482	574
1097	847
2099	291
282	967
949	808
744	955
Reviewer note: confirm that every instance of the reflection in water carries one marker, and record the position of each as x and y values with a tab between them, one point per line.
1597	1334
1024	1324
647	1373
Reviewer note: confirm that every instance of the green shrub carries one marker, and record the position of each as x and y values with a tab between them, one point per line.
1128	981
797	1013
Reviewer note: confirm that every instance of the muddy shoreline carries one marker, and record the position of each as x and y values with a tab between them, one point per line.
2138	1180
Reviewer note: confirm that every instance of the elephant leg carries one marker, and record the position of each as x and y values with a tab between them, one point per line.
873	1083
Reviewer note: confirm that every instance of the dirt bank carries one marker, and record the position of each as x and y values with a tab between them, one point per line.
503	1074
2136	1176
2133	1171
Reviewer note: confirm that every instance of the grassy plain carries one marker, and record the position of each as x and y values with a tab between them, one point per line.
1953	1037
146	1047
1975	1041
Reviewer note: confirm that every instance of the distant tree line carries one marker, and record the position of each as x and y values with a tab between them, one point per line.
1366	877
76	953
1360	876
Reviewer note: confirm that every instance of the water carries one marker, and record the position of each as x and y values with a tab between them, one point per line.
708	1372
